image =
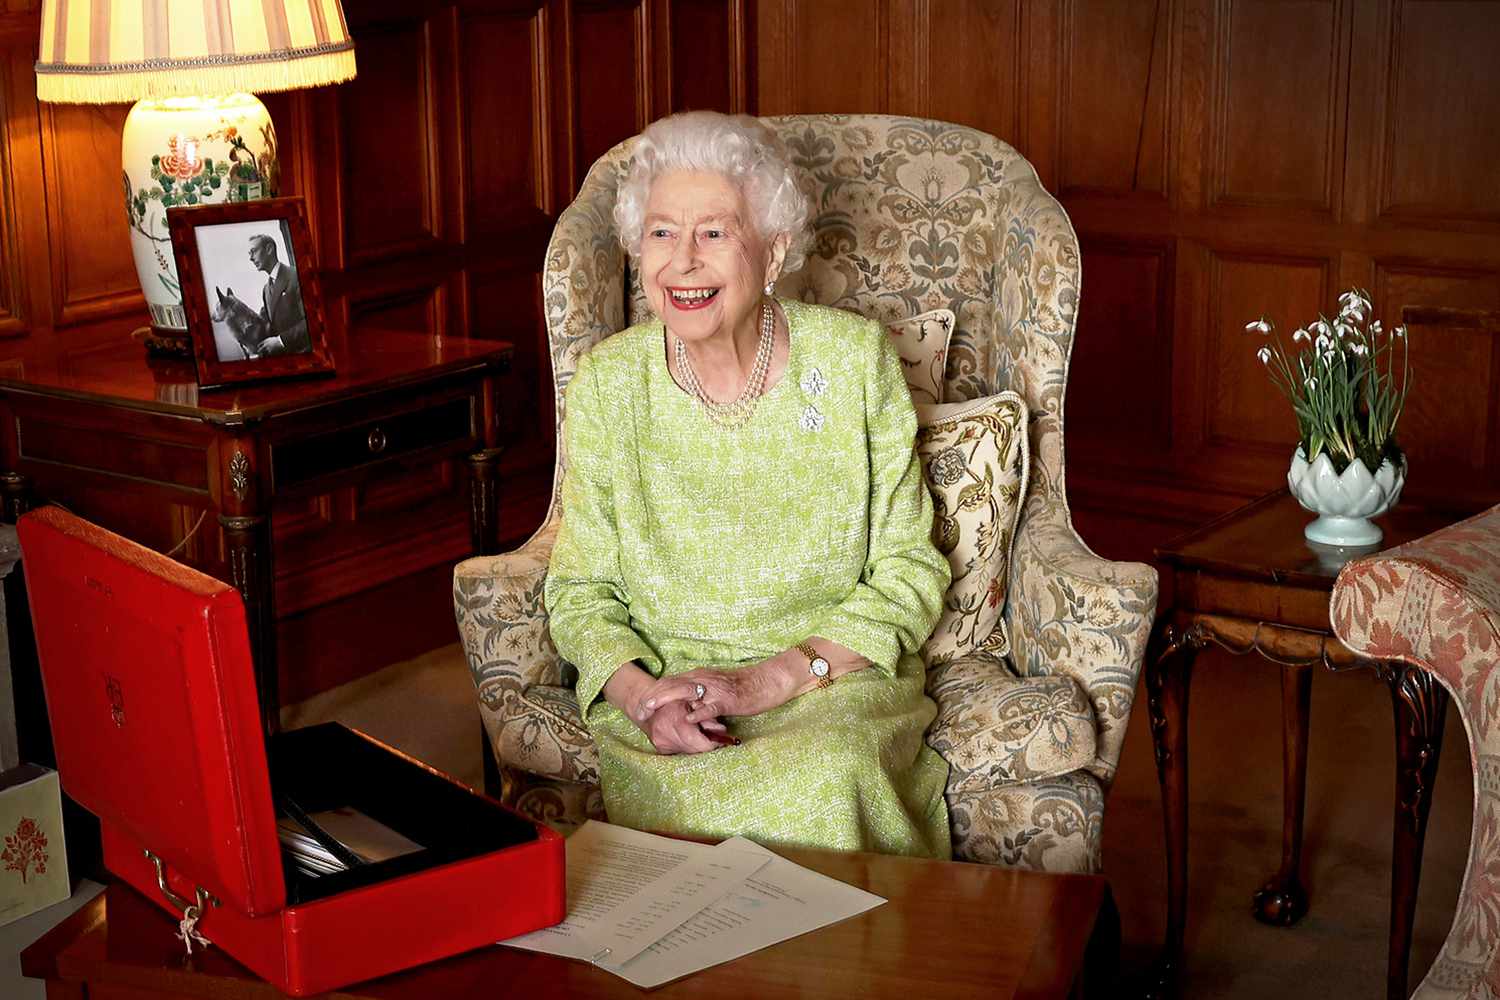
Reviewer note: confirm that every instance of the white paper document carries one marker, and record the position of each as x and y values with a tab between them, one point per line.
627	889
652	909
780	901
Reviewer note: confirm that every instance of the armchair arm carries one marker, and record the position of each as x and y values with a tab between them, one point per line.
1435	603
525	702
1070	611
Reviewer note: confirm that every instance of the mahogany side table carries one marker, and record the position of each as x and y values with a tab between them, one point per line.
1250	582
84	413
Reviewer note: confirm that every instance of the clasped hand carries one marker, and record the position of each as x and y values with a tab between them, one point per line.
747	691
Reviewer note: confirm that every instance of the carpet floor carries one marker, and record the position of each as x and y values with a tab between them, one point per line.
425	707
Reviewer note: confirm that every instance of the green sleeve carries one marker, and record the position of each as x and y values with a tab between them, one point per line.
899	597
585	594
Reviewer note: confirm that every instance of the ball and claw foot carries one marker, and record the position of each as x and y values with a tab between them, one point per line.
1280	903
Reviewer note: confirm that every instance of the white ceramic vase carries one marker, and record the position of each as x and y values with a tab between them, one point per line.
1345	501
189	151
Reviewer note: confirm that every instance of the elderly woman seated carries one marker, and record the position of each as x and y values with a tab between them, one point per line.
744	572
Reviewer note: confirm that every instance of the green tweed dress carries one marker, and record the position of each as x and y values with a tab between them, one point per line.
686	544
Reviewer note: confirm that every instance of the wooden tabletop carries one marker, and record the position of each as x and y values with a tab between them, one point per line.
102	361
948	930
1263	540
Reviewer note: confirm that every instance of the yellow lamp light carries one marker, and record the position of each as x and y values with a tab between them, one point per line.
196	134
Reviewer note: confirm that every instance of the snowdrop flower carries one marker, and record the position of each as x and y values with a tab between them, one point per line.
1301	336
1258	326
1343	329
1323	328
1375	328
1357	348
1329	357
1400	332
1264	354
1312	384
1322	343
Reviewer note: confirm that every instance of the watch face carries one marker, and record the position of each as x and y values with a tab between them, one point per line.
818	666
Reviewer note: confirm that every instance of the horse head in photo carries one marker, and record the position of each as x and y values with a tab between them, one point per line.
244	322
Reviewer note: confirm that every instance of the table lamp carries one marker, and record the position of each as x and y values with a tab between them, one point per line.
196	135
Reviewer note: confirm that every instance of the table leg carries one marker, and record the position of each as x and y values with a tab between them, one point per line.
1282	900
1169	666
15	496
484	507
1420	704
254	575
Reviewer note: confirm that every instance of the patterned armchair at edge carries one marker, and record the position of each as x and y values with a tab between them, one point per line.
910	215
1435	603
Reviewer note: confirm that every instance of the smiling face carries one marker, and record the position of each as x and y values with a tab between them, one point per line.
702	262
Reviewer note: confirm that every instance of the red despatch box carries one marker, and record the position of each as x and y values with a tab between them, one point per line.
151	694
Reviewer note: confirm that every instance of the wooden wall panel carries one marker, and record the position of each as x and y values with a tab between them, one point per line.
983	73
1452	420
92	266
1441	140
1113	100
823	55
704	55
393	189
612	75
505	140
1124	333
1282	67
1242	407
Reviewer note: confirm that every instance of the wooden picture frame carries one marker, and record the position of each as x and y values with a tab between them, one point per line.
250	317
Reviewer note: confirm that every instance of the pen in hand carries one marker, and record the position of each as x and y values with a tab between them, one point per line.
720	737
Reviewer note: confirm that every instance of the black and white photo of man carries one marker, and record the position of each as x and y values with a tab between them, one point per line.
281	301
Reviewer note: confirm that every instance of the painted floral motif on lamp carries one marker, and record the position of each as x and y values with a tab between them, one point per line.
189	151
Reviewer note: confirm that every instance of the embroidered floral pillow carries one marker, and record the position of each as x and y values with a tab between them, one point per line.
975	457
922	342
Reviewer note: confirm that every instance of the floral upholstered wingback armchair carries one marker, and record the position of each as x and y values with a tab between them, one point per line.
1435	603
909	215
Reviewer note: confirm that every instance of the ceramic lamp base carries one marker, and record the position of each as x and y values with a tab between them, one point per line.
188	151
1331	529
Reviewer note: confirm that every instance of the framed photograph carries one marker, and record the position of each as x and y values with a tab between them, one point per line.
250	290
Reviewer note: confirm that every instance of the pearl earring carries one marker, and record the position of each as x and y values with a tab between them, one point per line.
770	287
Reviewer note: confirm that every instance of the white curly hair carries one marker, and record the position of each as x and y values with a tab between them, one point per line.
735	146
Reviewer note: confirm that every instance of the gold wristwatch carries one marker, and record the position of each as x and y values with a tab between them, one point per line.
816	664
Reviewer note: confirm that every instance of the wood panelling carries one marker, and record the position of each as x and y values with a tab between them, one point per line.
1441	141
92	266
706	65
1125	338
1241	407
823	55
504	61
392	163
1116	71
1281	73
613	91
951	76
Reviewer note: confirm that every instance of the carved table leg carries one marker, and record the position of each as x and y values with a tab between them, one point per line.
252	573
1420	704
484	513
15	496
1169	666
1282	901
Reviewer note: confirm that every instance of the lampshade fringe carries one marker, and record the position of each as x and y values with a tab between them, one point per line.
58	83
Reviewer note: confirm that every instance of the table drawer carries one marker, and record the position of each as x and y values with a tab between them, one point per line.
443	425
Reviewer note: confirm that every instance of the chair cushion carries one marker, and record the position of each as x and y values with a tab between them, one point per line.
995	728
922	343
975	456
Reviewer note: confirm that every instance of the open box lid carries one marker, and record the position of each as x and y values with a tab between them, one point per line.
151	693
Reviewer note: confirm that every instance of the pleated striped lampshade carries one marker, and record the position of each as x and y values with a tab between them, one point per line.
105	51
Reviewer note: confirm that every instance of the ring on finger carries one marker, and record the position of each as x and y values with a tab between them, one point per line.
699	690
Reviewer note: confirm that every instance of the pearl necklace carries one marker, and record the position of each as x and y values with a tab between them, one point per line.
736	413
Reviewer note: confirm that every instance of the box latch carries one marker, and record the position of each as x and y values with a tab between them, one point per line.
192	913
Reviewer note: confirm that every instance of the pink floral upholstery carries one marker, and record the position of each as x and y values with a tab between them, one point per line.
911	215
1435	603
